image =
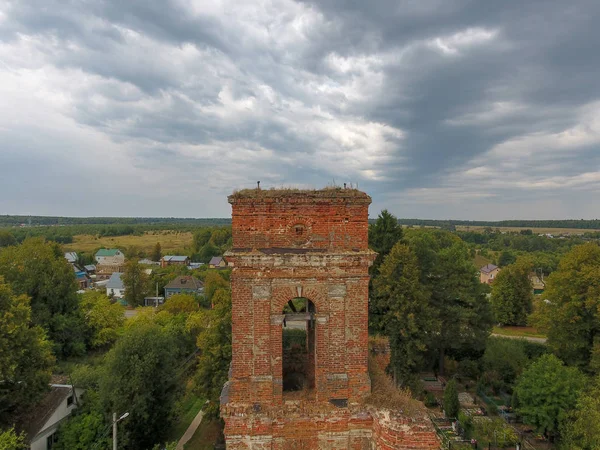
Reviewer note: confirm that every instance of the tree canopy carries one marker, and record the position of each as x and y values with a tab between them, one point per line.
136	282
26	356
214	344
569	312
383	235
39	270
512	294
141	378
9	440
406	315
546	391
582	430
104	319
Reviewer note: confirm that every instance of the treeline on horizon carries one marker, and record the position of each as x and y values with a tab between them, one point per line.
18	220
583	224
11	221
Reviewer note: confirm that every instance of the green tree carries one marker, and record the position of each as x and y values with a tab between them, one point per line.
9	440
180	303
571	304
201	238
136	282
88	427
451	403
26	358
104	319
504	360
582	430
546	391
141	378
506	258
383	235
212	283
39	270
405	311
214	343
512	294
463	318
156	252
220	237
6	239
207	252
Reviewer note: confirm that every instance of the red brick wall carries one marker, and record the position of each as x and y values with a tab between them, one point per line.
330	218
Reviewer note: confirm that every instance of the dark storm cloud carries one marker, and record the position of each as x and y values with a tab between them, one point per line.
484	106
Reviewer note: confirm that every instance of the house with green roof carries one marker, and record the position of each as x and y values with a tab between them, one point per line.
110	256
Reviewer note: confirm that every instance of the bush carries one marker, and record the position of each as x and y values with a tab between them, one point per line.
466	423
496	432
451	403
430	400
469	369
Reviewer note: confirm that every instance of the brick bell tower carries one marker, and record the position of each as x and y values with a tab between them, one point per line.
299	288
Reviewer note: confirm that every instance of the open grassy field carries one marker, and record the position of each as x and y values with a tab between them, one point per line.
553	231
169	241
518	332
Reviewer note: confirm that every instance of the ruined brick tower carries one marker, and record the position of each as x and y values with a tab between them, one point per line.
300	313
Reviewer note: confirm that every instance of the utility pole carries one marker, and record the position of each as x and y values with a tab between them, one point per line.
114	431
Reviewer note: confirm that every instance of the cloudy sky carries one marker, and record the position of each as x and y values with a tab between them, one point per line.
437	108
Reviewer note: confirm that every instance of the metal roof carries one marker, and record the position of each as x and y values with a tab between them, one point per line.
115	281
175	258
215	260
71	256
185	282
488	268
107	252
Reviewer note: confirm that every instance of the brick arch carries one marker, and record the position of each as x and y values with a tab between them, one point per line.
283	294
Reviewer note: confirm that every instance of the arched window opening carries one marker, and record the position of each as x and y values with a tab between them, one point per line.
298	345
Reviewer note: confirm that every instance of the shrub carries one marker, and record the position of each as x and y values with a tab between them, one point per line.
469	369
451	403
466	423
430	400
495	431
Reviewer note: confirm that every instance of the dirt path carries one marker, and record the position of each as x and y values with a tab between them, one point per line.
190	431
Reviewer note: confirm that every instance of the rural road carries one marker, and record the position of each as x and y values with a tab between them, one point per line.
539	340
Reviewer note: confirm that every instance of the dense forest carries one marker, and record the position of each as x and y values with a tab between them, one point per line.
10	221
582	224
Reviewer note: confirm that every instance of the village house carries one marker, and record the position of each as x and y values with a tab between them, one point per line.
184	285
115	287
217	262
109	261
83	280
71	257
488	272
537	282
42	421
174	260
110	256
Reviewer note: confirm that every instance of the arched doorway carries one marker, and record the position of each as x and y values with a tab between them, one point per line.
298	345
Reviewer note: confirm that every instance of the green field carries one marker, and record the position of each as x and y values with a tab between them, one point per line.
169	241
518	332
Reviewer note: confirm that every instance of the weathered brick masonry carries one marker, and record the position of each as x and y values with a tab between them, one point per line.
302	244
